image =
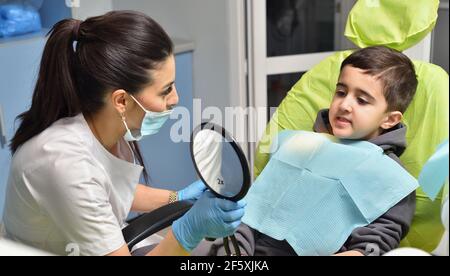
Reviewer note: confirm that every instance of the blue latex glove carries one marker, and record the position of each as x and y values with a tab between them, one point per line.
209	217
193	191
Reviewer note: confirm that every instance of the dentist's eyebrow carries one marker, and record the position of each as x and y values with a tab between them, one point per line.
167	86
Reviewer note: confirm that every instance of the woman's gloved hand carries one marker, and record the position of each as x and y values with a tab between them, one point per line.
193	191
209	217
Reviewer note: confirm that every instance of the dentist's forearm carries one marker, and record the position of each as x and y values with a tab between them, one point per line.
169	247
147	199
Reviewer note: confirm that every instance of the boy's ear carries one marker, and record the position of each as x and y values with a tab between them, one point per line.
392	119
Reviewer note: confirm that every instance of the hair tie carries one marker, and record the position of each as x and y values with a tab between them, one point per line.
76	30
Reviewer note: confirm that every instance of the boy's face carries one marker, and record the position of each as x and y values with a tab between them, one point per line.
359	108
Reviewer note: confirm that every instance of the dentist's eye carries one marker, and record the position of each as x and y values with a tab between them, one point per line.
167	92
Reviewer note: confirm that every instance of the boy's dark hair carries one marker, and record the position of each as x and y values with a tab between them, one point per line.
393	68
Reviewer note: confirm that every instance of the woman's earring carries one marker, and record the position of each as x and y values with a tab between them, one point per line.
122	115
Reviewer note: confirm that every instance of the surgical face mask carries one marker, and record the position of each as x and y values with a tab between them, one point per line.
151	124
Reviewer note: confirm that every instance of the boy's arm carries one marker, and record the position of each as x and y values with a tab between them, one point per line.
385	233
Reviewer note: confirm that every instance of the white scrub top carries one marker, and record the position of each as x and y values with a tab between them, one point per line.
67	194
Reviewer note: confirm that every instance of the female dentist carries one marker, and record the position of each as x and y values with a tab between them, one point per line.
73	177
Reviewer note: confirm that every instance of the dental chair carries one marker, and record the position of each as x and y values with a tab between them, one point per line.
151	223
398	24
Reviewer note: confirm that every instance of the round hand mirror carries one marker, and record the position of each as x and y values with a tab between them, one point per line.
220	162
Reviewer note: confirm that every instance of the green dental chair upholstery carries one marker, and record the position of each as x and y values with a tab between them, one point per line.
399	24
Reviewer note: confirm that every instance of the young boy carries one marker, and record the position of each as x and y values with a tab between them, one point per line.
375	87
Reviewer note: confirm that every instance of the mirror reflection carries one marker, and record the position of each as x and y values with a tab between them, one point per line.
218	163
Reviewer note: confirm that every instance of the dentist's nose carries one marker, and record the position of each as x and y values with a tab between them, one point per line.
174	99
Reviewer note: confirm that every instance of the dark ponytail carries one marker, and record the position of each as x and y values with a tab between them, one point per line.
55	94
83	61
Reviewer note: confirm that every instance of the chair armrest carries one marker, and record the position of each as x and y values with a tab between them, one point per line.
155	221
